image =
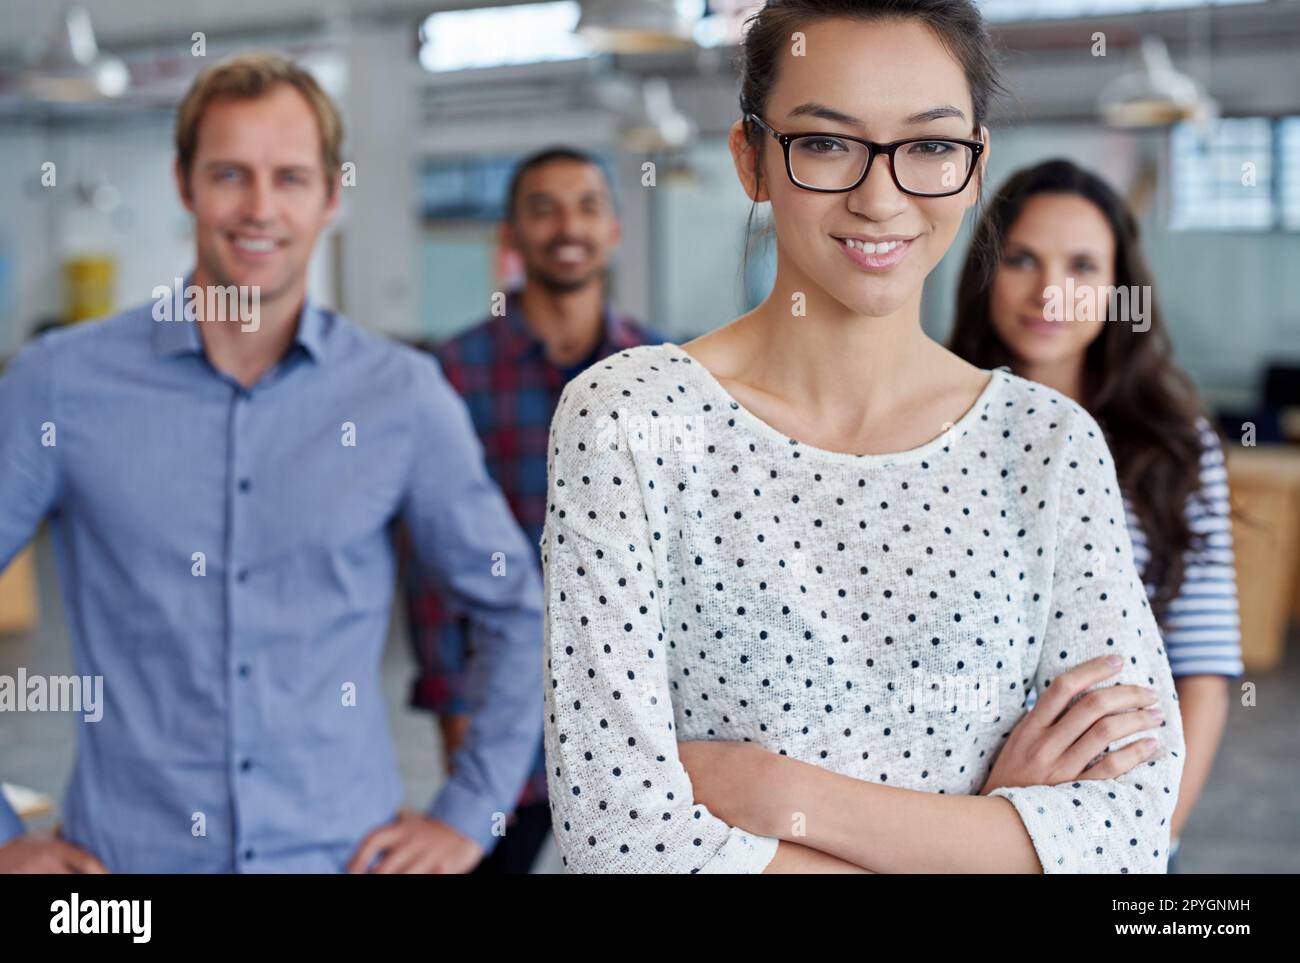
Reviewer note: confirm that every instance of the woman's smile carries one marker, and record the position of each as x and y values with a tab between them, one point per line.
883	254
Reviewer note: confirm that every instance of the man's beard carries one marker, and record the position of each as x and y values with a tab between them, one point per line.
558	285
218	275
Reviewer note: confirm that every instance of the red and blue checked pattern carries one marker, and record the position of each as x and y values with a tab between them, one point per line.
511	389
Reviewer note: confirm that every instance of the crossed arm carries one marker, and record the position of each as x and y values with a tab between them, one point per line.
888	829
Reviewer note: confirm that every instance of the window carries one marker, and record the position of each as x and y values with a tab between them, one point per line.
1288	172
1222	177
999	11
497	36
472	189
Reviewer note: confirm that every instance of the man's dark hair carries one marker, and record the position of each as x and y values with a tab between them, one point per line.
543	157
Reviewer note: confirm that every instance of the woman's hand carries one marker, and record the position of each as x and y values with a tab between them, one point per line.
733	779
1061	740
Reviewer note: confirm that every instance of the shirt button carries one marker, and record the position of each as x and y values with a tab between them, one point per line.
245	484
242	575
249	854
246	765
244	670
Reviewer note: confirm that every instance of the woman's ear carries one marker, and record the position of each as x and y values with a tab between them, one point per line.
747	160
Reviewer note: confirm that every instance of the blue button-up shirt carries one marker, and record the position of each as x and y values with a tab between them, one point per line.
228	569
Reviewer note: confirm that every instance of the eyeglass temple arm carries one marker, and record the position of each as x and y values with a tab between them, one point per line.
750	115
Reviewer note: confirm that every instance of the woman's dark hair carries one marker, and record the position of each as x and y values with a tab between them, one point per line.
768	32
1144	403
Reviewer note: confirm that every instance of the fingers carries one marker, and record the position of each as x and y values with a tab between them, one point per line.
428	863
38	855
1106	731
414	854
404	849
401	858
1114	764
378	840
1053	701
1096	705
78	860
46	859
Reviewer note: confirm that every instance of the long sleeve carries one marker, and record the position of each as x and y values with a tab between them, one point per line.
438	632
29	479
621	799
1099	607
464	535
1202	627
29	452
437	640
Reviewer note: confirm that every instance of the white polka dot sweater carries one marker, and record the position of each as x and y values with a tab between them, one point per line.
882	616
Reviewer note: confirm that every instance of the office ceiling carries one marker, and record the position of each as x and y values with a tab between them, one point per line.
136	23
125	24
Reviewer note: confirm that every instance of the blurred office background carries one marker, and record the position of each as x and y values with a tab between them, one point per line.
1192	109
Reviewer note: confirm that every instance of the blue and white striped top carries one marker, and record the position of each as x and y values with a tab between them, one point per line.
1201	628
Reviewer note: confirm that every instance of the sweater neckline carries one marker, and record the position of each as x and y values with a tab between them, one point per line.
964	424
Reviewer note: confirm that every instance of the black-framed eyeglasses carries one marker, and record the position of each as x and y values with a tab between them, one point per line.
836	163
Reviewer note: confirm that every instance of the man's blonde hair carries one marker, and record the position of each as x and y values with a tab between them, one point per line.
256	74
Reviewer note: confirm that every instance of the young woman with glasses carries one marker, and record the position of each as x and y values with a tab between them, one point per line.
801	572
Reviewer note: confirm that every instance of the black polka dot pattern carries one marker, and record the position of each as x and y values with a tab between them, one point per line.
882	616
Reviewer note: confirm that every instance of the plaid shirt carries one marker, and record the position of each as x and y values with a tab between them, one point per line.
511	390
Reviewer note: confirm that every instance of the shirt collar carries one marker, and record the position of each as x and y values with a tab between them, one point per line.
313	327
173	335
521	343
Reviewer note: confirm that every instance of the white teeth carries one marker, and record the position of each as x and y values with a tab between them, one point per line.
866	247
259	244
570	252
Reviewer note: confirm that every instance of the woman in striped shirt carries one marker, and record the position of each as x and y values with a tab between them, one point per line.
1058	245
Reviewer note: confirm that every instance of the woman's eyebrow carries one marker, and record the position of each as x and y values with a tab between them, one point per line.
936	113
821	111
1020	247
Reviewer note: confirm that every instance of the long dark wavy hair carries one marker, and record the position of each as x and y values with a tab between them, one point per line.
1145	404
